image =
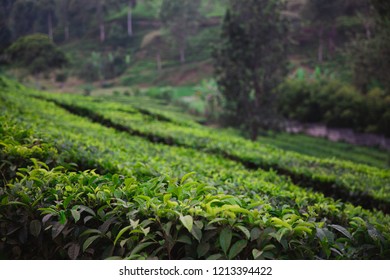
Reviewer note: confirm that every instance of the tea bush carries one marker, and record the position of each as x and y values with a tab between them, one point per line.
147	200
344	179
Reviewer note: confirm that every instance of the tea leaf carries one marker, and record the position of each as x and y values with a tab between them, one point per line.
245	231
35	228
187	222
89	241
202	249
73	251
237	248
225	239
122	232
342	230
75	215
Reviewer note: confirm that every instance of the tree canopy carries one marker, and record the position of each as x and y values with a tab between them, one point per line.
250	62
36	53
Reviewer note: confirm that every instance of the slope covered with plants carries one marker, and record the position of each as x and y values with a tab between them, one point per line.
85	179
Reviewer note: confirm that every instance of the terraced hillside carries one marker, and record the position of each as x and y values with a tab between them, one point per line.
86	178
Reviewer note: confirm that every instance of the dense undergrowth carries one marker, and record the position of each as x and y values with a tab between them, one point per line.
78	189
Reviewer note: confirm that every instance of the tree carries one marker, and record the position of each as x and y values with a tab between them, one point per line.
382	9
370	56
100	18
23	17
5	31
250	61
322	15
64	16
36	53
46	9
131	4
153	42
181	18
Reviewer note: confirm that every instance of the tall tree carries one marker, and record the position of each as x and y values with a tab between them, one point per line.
64	8
181	18
23	17
131	4
5	30
370	56
153	42
100	17
250	61
322	15
47	10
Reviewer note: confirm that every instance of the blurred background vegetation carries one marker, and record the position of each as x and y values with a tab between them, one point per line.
329	63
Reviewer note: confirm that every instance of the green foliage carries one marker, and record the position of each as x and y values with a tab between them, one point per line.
351	180
101	66
210	95
166	202
250	61
36	53
324	148
335	104
181	18
370	56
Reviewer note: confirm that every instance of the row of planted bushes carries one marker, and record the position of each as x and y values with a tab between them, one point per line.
153	207
351	179
335	104
56	214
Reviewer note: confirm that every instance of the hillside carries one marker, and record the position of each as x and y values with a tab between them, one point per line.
106	179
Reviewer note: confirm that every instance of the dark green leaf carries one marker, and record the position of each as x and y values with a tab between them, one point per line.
140	247
215	257
35	228
89	241
245	231
56	229
342	230
202	249
237	248
121	233
184	239
73	251
197	233
225	238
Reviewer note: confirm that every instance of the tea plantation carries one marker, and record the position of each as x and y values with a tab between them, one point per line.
89	178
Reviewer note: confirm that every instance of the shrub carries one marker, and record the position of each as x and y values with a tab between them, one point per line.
336	104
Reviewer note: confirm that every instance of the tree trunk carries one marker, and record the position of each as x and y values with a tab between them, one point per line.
130	20
158	61
102	32
50	26
254	131
100	17
66	32
256	106
182	56
320	45
65	9
37	81
368	30
331	39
